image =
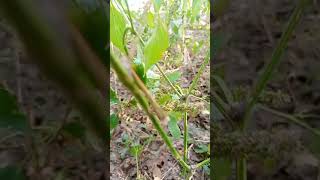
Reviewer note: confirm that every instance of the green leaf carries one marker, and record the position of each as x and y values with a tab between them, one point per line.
224	88
164	99
17	122
196	7
222	168
7	102
150	19
113	97
216	114
157	5
174	76
201	148
176	114
75	129
139	66
10	118
114	121
174	128
11	173
117	27
157	45
135	150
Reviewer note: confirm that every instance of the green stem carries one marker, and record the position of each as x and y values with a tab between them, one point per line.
266	76
185	137
198	75
202	163
241	169
137	164
143	44
168	80
275	60
292	119
130	84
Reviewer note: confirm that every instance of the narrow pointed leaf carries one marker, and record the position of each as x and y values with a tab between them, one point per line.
156	46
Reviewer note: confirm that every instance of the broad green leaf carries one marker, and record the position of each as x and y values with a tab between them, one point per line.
113	97
117	27
75	129
174	128
114	121
11	173
157	45
174	76
222	168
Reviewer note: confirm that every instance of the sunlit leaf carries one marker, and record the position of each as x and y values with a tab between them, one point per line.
117	27
157	5
150	19
156	46
135	149
196	7
164	99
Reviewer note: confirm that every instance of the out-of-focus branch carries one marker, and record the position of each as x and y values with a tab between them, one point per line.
56	58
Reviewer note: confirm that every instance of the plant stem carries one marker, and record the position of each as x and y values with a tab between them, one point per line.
137	164
275	60
198	75
266	76
168	80
292	119
241	169
143	44
202	163
130	84
185	137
